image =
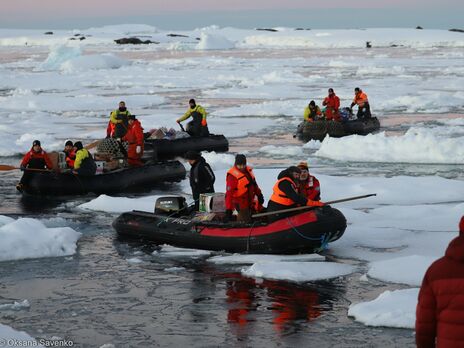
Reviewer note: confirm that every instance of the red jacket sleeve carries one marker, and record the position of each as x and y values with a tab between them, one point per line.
231	186
109	128
315	192
138	130
26	159
337	103
48	161
425	316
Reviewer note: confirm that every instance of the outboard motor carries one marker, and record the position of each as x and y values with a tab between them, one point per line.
170	204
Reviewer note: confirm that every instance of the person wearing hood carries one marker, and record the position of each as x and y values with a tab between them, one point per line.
36	158
308	185
134	137
285	194
70	155
440	307
202	177
118	123
198	126
84	164
242	191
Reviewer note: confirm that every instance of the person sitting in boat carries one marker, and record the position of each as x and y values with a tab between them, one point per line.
308	185
36	158
312	112
332	104
69	153
198	126
360	99
202	177
118	123
84	164
134	137
285	194
242	191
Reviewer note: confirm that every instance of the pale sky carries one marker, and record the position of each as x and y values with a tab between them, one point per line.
240	13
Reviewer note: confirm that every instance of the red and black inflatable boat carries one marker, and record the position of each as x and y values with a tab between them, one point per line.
305	232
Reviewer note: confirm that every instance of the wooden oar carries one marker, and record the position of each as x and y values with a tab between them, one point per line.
311	207
92	145
4	167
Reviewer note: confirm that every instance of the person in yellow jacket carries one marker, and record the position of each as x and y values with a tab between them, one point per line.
360	99
118	123
312	112
84	163
198	126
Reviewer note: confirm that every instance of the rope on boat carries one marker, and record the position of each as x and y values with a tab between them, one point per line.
324	239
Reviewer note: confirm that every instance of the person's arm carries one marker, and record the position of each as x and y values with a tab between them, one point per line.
337	103
203	113
286	187
80	155
318	111
325	101
315	194
138	132
48	161
185	116
25	160
206	175
306	114
231	186
426	325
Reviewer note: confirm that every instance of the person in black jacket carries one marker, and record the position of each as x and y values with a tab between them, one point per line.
285	194
201	176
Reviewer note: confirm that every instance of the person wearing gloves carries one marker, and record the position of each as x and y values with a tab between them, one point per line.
360	99
198	126
134	137
242	192
285	194
202	177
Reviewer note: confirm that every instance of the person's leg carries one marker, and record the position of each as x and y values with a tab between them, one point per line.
244	215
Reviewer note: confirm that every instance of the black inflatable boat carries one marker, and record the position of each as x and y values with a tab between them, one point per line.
317	130
49	183
305	232
170	148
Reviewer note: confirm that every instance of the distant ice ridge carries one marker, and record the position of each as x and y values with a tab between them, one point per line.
214	42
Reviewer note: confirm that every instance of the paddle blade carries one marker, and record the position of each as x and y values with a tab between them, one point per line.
7	167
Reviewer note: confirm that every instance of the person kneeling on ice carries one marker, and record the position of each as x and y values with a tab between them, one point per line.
312	112
242	192
36	158
202	177
308	185
198	126
69	153
440	307
84	164
285	194
134	137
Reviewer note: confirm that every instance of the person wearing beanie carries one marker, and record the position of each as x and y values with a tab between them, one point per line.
69	153
308	185
84	164
242	191
118	123
201	176
285	194
312	112
135	138
440	307
36	158
361	100
198	126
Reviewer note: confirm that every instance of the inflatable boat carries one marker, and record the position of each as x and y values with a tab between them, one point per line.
306	232
50	183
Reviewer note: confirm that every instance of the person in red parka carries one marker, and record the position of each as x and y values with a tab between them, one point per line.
36	158
440	308
332	104
134	137
308	186
242	191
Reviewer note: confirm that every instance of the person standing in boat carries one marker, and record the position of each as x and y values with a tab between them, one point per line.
36	158
312	112
360	99
84	164
118	123
242	192
332	104
198	126
69	153
202	177
308	185
134	137
285	194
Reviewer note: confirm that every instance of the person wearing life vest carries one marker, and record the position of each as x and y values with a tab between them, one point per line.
202	177
360	99
312	112
308	185
36	158
242	191
134	137
332	104
198	126
118	123
84	164
69	153
285	194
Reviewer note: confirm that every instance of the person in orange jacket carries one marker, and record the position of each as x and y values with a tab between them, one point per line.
242	192
70	153
134	137
285	194
360	99
36	158
332	104
308	185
